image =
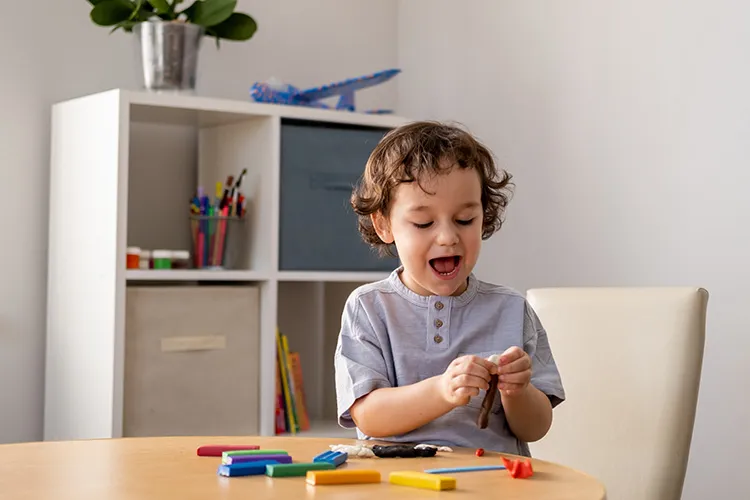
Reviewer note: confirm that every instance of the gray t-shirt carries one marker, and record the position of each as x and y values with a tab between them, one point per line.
392	337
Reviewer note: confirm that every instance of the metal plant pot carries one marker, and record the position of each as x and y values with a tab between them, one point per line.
169	54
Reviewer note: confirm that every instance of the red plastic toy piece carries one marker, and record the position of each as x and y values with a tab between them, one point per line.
480	452
518	468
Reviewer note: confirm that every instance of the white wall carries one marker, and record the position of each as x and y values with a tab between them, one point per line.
626	126
62	55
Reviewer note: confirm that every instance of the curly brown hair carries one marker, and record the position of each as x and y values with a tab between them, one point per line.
407	153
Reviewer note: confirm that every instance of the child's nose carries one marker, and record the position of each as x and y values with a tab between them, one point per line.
447	237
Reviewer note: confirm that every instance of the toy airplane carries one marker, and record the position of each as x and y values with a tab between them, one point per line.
282	93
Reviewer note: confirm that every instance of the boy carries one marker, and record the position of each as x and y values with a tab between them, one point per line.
411	359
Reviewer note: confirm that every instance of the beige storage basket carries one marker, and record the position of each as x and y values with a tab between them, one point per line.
191	361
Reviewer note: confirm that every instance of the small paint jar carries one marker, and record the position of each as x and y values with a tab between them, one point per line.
145	260
180	259
162	259
133	257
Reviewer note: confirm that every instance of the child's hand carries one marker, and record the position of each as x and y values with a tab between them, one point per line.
514	370
464	378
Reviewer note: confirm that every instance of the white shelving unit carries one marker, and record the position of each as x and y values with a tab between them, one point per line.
123	166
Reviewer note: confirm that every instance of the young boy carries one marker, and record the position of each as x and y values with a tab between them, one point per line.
412	356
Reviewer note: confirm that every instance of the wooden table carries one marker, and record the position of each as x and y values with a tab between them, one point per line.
168	467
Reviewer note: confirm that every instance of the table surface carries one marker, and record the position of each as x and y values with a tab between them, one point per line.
168	467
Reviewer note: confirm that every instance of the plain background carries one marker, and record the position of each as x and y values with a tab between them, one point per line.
626	126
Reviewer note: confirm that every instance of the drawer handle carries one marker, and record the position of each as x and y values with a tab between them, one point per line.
184	344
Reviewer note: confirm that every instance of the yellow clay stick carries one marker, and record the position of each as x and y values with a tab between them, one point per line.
342	476
422	480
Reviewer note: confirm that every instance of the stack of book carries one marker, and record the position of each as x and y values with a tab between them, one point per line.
291	411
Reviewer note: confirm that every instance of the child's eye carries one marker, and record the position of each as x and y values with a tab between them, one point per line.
466	222
423	226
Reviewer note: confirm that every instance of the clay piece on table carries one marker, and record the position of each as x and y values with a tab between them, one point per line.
518	468
358	450
439	448
403	451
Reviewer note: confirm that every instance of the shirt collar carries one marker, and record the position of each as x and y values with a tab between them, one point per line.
426	300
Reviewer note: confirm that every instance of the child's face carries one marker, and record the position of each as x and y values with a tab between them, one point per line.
437	235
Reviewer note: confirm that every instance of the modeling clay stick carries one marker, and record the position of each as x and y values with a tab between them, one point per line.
422	480
244	469
402	451
240	453
346	476
281	459
489	399
450	470
335	457
489	396
215	450
301	469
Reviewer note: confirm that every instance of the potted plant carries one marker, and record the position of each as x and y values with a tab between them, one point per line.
169	33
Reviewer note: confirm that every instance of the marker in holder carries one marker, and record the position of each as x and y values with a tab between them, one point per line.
217	241
217	226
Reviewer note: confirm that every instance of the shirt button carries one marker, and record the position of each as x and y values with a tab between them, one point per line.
438	323
437	339
438	305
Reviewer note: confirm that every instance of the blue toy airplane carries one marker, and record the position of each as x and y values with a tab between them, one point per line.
283	93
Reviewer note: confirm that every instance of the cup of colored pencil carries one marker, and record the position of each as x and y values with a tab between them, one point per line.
216	224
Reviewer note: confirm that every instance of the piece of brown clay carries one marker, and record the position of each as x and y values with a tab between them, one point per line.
489	399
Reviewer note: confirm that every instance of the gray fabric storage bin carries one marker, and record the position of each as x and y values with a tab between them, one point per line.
320	164
191	361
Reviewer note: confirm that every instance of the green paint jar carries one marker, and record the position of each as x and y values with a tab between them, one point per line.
162	259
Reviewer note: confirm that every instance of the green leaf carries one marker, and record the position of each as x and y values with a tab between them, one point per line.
237	27
211	33
94	2
137	12
111	12
143	12
160	6
210	12
126	26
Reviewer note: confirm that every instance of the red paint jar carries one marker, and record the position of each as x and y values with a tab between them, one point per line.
133	257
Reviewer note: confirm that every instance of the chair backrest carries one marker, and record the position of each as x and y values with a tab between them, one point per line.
630	361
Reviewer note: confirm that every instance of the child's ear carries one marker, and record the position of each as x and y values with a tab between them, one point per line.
382	227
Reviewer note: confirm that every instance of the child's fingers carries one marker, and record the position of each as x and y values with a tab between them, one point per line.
517	365
515	378
486	364
471	381
473	365
511	354
466	393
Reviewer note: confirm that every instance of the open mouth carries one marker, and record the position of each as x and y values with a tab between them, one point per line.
446	267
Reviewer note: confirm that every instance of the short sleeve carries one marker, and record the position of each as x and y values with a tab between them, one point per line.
360	366
544	373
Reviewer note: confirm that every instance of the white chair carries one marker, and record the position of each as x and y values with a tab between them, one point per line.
630	361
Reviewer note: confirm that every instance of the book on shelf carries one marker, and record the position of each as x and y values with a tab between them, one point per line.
291	409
